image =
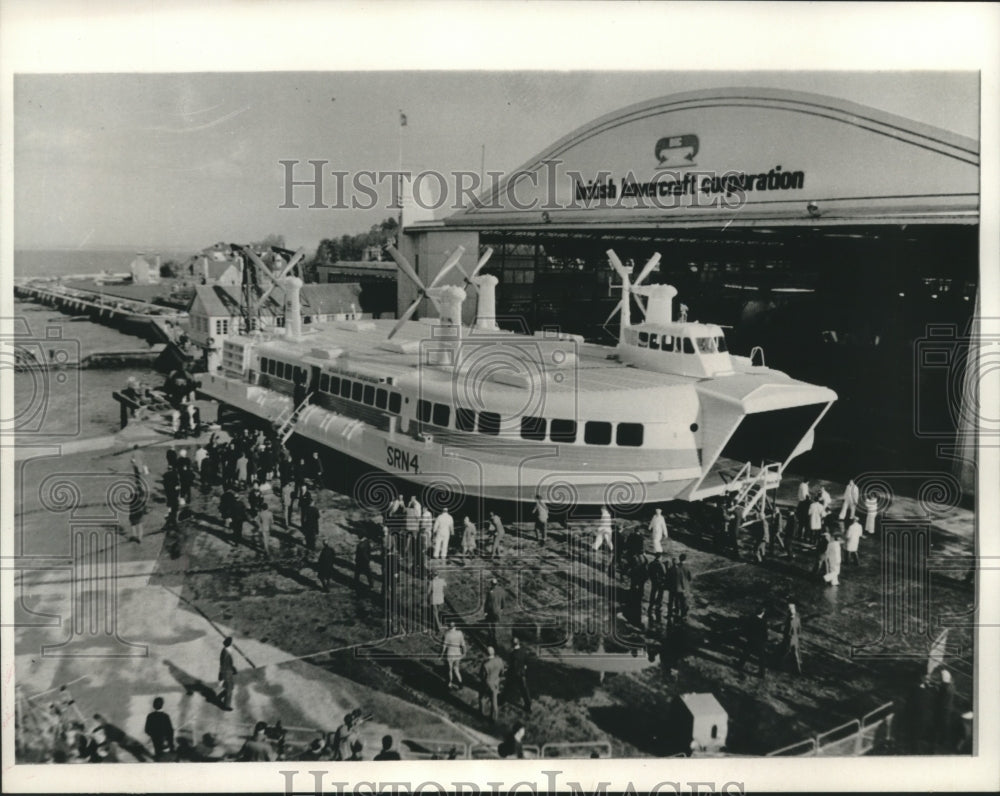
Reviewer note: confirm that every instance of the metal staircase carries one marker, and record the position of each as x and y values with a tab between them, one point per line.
285	422
753	486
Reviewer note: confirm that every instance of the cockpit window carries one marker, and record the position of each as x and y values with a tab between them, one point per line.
721	343
706	345
688	346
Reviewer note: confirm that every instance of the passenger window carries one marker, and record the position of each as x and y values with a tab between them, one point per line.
654	342
688	346
345	388
263	364
489	423
562	430
424	411
369	394
324	382
334	385
357	388
465	419
381	398
442	414
288	372
597	432
644	339
533	428
629	434
395	402
668	342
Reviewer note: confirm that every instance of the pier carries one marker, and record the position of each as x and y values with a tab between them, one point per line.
132	316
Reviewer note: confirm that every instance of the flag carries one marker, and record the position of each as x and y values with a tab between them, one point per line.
402	119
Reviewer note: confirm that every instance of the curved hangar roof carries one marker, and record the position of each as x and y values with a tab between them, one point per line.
739	157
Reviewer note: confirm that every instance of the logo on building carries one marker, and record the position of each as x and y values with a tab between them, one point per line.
677	150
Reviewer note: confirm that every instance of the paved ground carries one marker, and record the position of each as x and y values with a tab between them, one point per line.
308	656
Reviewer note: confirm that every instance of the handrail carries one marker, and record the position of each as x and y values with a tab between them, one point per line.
880	709
548	748
786	751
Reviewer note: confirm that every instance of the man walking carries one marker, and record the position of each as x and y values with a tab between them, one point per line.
657	574
227	673
310	521
496	524
453	650
324	566
684	579
494	610
519	672
264	521
658	529
160	729
604	531
490	673
790	638
853	535
851	496
541	512
444	526
468	538
435	594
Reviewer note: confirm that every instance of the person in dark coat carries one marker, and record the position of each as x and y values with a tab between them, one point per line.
160	729
315	467
790	638
240	515
511	744
755	640
227	674
324	565
518	679
944	711
494	611
684	579
637	581
363	563
171	487
657	580
310	521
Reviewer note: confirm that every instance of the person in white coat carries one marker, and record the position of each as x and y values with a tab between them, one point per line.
444	526
871	512
850	505
413	513
604	530
831	561
658	528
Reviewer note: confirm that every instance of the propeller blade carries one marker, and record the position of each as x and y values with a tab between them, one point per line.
406	316
482	261
404	266
641	301
617	265
450	263
615	311
648	269
256	260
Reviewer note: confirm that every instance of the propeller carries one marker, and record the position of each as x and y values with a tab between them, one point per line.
479	266
423	291
628	287
270	275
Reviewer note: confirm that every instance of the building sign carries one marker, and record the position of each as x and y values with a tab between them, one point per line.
770	155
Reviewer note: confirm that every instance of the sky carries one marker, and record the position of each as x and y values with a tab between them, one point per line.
182	160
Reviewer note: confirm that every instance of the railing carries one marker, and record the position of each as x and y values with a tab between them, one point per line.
851	739
489	752
426	749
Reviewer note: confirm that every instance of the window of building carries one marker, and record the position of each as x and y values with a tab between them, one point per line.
688	346
369	394
668	342
654	342
442	415
533	428
345	388
489	423
381	398
221	326
395	402
465	419
424	411
324	382
629	434
644	339
562	430
357	389
597	432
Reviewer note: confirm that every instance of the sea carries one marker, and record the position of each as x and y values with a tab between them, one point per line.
58	406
